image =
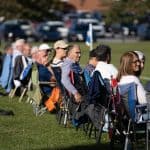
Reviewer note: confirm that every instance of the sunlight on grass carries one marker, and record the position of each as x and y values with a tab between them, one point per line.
25	131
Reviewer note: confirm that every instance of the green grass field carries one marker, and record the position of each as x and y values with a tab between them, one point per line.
25	131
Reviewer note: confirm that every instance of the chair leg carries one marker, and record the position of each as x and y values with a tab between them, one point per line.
12	92
99	134
147	136
28	100
91	128
22	94
127	136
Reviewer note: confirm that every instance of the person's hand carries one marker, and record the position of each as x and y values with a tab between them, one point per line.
17	83
53	81
77	97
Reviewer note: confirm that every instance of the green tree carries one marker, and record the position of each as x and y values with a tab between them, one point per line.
127	10
29	9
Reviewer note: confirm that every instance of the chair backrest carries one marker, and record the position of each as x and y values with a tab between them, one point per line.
128	93
98	90
57	72
115	95
35	93
35	74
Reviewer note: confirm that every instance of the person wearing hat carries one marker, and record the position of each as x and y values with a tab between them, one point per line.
60	47
142	61
45	75
44	46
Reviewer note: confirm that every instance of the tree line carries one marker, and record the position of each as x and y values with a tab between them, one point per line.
119	10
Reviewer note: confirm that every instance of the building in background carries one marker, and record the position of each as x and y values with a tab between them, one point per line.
89	5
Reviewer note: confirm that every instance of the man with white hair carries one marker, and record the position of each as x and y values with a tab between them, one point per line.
21	62
17	49
45	75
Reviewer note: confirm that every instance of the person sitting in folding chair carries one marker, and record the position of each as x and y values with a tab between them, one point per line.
107	70
129	66
72	77
133	97
21	62
71	65
60	52
89	68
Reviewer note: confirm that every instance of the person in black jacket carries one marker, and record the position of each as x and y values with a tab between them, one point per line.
21	62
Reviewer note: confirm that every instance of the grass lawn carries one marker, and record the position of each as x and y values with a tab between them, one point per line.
25	131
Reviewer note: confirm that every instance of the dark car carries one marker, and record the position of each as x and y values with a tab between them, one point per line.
78	32
143	31
13	32
45	32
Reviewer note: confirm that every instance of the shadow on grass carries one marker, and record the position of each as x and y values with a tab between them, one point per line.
82	147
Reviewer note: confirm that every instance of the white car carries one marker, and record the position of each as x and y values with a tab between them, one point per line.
60	28
98	27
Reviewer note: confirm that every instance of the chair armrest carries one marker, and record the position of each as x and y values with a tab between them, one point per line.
142	105
53	84
143	112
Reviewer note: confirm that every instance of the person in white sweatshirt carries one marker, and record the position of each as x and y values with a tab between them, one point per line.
129	66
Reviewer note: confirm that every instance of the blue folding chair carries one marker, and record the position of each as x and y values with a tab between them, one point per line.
137	116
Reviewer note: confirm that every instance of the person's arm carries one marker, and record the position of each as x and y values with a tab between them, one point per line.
141	93
65	78
17	70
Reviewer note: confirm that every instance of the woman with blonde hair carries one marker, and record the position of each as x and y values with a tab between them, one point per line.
129	66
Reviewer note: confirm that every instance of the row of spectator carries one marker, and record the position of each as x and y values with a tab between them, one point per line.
66	57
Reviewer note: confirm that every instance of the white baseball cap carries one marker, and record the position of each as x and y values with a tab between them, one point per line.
140	54
44	46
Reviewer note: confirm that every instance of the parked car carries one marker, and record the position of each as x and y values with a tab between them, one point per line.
12	32
78	31
27	27
18	28
45	32
60	27
143	31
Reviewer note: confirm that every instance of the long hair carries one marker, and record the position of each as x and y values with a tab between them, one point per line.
126	64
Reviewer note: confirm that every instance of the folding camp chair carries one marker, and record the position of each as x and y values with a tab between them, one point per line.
35	94
69	108
13	92
133	120
98	99
63	114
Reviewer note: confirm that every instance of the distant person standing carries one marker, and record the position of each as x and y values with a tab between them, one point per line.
6	67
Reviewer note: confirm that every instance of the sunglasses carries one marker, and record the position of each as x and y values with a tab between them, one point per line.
64	48
136	61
